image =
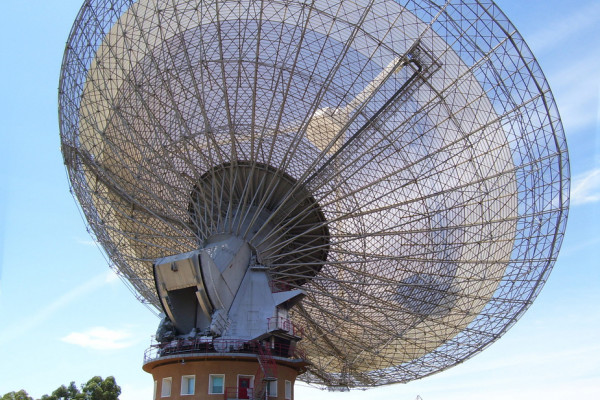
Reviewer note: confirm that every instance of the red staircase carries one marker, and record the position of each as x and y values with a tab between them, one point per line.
266	362
267	371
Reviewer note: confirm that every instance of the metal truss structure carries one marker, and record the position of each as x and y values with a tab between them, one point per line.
402	162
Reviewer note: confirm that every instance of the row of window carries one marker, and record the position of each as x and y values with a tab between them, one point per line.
216	385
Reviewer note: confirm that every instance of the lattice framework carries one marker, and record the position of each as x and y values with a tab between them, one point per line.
444	214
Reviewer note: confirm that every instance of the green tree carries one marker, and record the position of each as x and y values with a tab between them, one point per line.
70	392
95	389
101	389
20	395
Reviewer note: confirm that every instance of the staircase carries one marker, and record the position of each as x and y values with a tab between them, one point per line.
267	371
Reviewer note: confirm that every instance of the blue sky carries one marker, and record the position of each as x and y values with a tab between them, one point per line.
64	316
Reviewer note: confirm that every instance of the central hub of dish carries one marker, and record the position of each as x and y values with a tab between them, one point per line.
261	236
268	209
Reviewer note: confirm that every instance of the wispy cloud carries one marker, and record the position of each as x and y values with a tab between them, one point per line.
45	313
86	242
586	188
101	338
111	276
576	85
571	59
557	32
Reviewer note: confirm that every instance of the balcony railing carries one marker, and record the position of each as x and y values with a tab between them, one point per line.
216	346
284	324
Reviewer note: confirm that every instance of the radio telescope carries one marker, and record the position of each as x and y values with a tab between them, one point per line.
378	187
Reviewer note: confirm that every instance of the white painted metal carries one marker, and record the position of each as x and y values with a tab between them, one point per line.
234	297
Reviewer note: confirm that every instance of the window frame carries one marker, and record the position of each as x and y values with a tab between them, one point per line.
288	390
162	387
210	383
187	386
269	386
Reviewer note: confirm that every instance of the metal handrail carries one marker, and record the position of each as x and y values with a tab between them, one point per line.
285	324
215	346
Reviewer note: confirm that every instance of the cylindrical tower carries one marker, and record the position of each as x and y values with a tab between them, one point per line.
252	372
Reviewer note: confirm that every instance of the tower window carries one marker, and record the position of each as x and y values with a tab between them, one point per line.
165	388
272	388
188	384
216	384
288	390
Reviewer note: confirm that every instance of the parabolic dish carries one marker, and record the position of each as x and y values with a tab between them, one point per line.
403	162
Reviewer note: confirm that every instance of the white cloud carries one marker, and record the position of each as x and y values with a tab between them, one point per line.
561	30
111	276
101	338
586	188
570	60
576	87
86	242
45	313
